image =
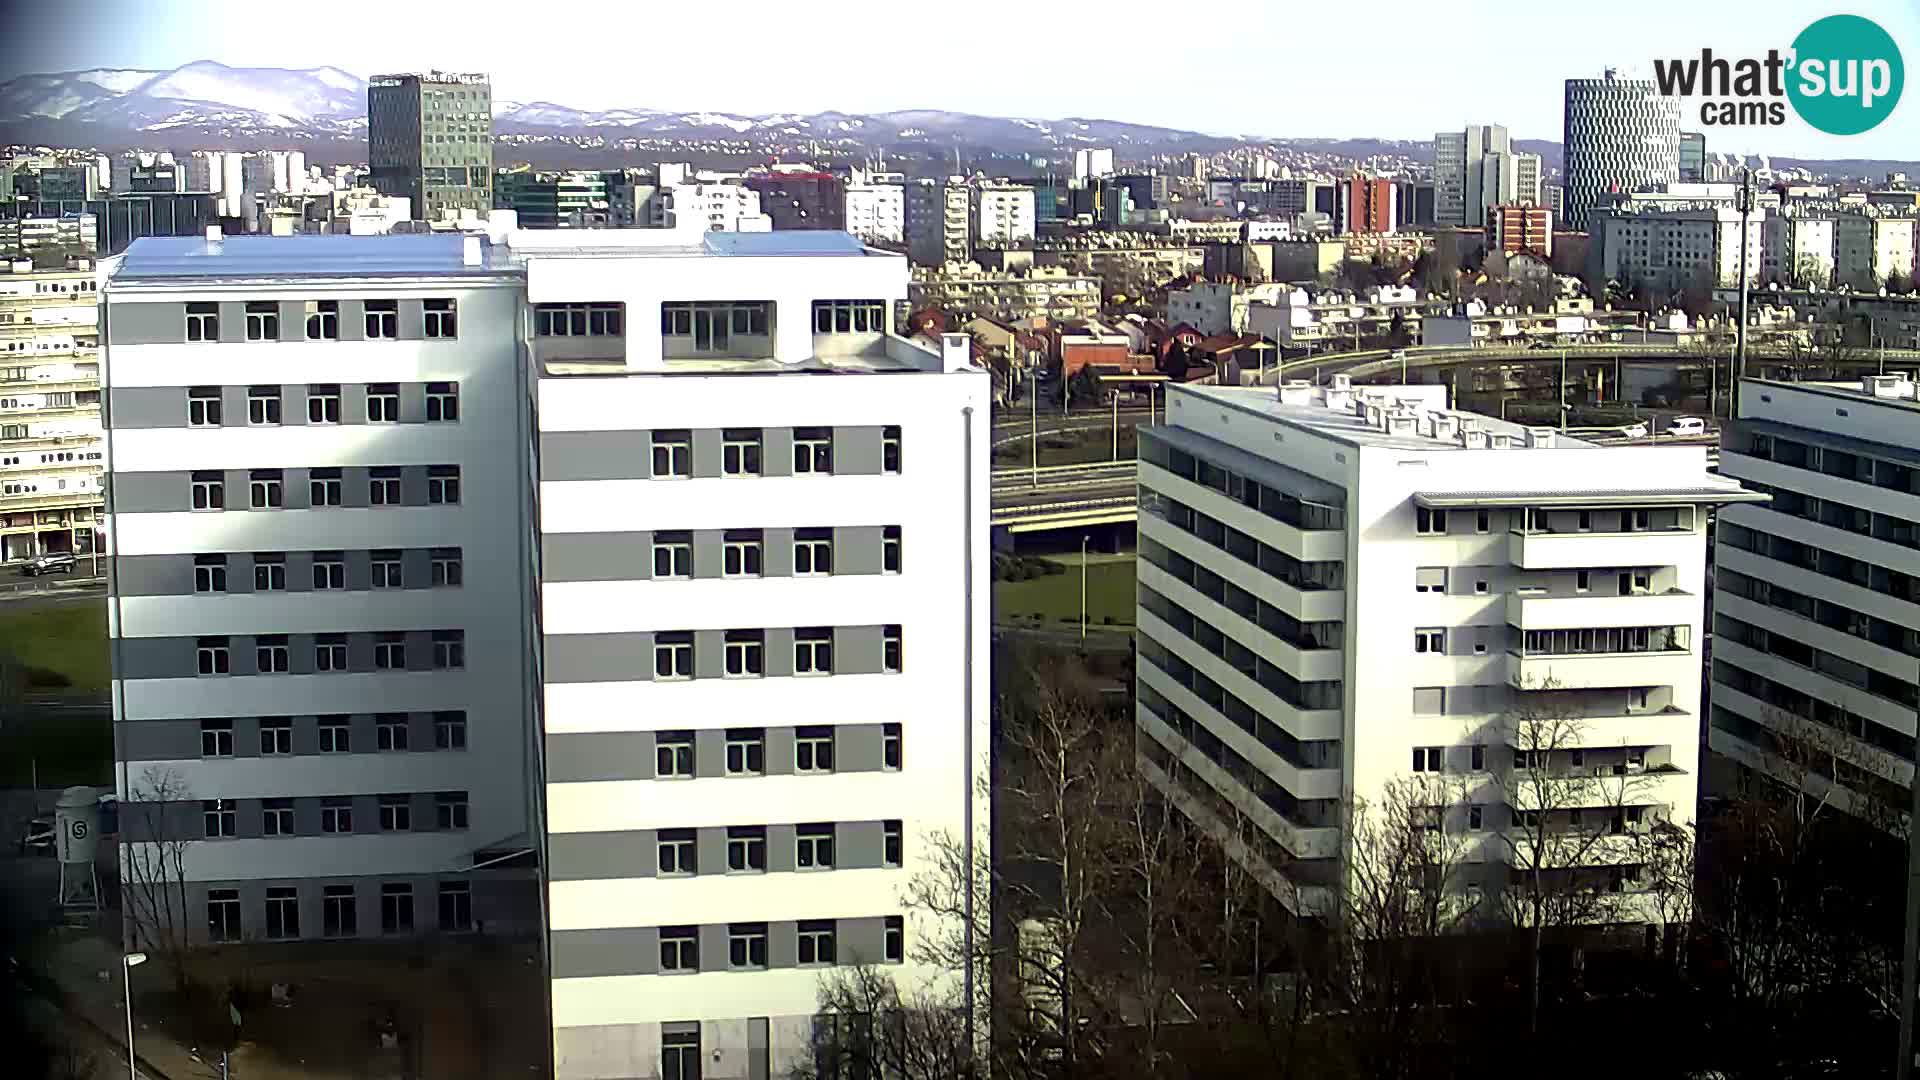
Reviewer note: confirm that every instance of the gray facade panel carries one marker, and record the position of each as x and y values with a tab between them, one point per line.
353	321
713	947
783	945
710	753
856	549
856	650
779	651
780	751
776	452
709	654
233	321
858	845
576	658
147	323
857	748
780	839
776	553
601	856
706	452
595	455
156	575
861	941
619	951
624	556
413	320
709	553
293	320
589	756
170	657
413	485
856	451
158	740
710	850
156	492
133	407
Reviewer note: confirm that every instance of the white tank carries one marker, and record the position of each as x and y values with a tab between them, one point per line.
76	825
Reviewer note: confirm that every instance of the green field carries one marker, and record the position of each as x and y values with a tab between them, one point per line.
68	639
1055	597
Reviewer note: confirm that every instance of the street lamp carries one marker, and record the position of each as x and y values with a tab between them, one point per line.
1083	589
128	962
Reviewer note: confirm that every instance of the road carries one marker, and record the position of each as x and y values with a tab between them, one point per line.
29	592
1015	426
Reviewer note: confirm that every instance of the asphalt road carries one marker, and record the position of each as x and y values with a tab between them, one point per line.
50	591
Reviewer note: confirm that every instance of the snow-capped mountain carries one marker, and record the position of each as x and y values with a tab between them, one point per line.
203	93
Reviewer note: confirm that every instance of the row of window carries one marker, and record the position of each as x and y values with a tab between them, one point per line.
813	849
675	756
273	654
1277	564
745	653
747	948
339	911
1841	515
1832	461
1328	634
1279	505
1620	762
381	320
1301	694
326	487
264	404
220	817
742	549
1832	714
741	451
446	569
1792	649
334	734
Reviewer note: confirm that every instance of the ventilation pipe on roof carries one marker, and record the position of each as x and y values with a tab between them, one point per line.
470	250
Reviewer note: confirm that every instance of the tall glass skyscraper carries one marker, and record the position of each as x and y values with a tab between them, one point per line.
430	139
1621	134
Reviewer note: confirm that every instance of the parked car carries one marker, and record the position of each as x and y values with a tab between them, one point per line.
53	562
1686	425
1635	431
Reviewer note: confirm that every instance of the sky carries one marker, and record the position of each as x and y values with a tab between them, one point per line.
1278	68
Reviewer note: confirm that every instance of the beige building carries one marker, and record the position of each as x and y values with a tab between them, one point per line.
51	450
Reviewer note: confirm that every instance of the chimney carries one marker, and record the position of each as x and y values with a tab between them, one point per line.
470	250
956	352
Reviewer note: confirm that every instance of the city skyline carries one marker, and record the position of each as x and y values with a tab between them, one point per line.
1245	91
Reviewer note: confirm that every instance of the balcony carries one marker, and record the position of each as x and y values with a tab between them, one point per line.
1593	671
1542	612
1584	550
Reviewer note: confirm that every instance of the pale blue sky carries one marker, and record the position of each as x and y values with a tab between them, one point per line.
1298	68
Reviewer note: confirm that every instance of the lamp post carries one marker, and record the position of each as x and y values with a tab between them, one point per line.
1116	423
1033	401
128	962
1083	589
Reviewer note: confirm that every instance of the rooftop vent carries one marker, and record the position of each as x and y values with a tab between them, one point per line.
1445	425
1499	440
1540	438
1473	439
213	234
1343	382
1402	424
470	250
1894	384
1296	392
1340	400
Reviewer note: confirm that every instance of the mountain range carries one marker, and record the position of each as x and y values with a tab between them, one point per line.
209	104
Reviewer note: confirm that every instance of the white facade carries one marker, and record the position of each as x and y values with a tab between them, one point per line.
1477	169
1426	579
1090	164
1677	249
1817	598
1867	249
1621	135
711	207
1797	250
51	455
1003	216
877	212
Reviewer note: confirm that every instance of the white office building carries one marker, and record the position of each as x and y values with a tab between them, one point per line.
1342	586
724	693
1676	249
1003	216
876	212
1477	169
51	454
1621	135
1817	595
710	207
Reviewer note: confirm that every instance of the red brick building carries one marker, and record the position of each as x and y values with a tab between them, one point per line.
1513	229
1367	204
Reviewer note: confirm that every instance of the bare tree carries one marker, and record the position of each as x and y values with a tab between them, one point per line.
153	867
867	1027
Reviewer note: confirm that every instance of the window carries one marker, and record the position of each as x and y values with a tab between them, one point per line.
673	755
209	491
1476	819
890	549
672	555
849	316
216	738
813	847
1582	580
212	656
1428	522
203	322
677	852
710	327
443	402
336	814
746	751
263	320
329	570
450	730
891	838
223	905
1637	699
390	651
440	319
396	907
812	552
449	650
323	320
1479	758
812	450
450	810
385	566
813	750
396	813
338	914
265	490
443	485
747	945
894	940
383	319
680	1055
1638	520
203	406
1429	758
890	746
1429	700
1482	521
746	849
745	654
447	571
209	573
323	403
679	948
276	817
813	651
673	656
456	903
383	403
672	454
390	731
890	449
1430	640
740	452
890	649
579	320
740	555
217	817
330	652
816	942
1430	579
336	736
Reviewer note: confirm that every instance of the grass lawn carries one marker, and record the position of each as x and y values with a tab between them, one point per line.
1109	594
68	638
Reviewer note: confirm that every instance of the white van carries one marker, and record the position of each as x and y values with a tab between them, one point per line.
1681	426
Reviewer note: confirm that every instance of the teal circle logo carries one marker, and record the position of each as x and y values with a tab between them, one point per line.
1846	75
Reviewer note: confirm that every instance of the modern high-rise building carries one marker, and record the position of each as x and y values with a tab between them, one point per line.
1003	216
1621	134
1367	204
876	211
1343	586
555	561
430	139
1817	595
801	199
51	454
1693	157
574	199
1476	170
939	222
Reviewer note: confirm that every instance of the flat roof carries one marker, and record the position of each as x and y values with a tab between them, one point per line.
1710	491
185	258
1850	390
1349	427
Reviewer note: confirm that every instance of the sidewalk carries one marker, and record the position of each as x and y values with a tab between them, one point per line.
53	584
